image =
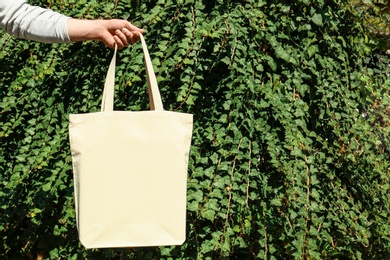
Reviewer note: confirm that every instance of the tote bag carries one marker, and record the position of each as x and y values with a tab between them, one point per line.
130	171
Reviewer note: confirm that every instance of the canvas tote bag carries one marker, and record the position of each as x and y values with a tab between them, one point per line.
130	171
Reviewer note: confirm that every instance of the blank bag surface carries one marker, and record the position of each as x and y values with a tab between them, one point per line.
130	171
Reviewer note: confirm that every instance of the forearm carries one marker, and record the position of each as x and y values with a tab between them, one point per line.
35	23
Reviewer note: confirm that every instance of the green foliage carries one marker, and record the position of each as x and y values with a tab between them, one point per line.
290	153
375	16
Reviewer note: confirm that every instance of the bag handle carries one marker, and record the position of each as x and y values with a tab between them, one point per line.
154	93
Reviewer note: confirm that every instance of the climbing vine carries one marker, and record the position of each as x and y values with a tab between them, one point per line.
290	152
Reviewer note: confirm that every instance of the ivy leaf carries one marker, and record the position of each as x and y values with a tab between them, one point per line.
46	186
317	19
208	214
276	202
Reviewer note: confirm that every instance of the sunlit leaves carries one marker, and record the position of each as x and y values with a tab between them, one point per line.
289	156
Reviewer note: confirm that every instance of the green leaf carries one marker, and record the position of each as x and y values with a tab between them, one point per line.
276	202
208	214
317	19
46	186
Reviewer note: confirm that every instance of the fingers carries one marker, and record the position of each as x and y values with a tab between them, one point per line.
131	36
109	40
132	28
121	32
125	37
121	39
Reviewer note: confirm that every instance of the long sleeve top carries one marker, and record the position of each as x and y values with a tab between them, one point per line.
32	22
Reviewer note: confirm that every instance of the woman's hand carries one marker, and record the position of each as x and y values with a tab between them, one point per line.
109	32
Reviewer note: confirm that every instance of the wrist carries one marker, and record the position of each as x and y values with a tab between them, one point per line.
82	30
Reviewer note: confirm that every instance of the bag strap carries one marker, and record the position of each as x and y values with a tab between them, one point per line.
154	93
108	92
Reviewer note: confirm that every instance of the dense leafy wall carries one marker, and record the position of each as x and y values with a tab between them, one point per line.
290	155
375	16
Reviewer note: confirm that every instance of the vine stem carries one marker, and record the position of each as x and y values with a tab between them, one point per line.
230	187
307	210
196	60
249	172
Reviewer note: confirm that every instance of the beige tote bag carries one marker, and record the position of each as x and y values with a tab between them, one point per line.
130	171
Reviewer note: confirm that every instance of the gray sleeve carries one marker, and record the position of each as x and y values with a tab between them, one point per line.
33	23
